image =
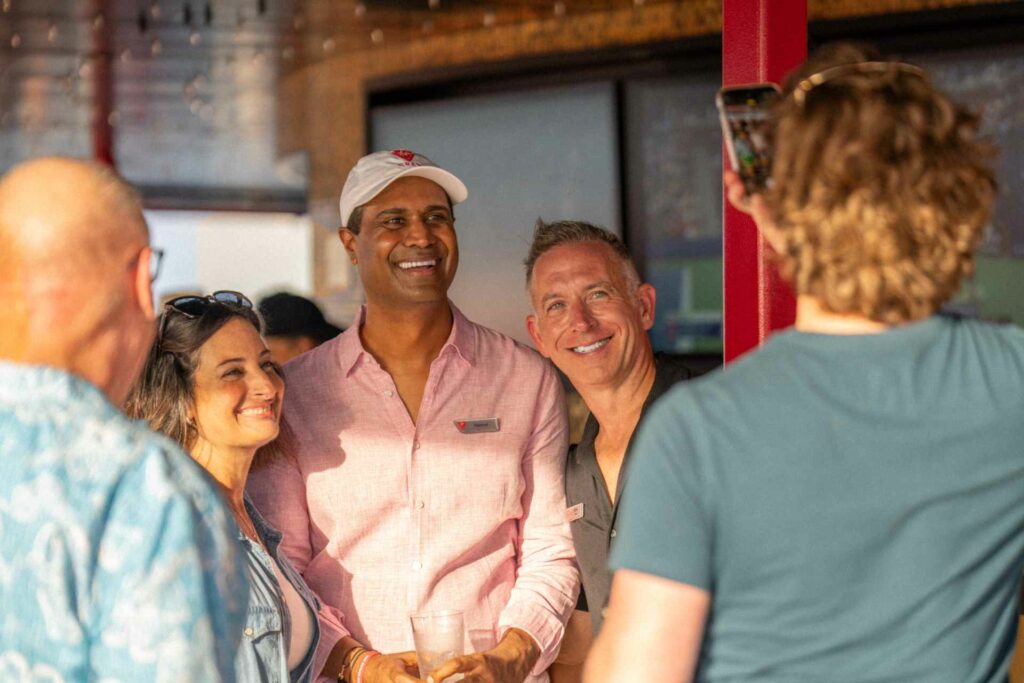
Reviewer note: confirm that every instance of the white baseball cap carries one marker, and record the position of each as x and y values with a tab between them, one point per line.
376	171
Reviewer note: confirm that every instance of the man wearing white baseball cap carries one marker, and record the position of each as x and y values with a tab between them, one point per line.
422	456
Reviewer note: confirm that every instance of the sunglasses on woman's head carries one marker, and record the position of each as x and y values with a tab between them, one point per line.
195	306
808	84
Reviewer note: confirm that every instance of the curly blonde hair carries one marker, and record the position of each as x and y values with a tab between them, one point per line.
881	187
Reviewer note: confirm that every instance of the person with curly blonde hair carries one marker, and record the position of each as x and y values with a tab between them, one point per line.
847	502
883	189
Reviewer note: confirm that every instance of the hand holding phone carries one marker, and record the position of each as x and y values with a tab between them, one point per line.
744	112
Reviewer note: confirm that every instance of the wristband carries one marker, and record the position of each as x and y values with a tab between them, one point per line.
350	657
362	665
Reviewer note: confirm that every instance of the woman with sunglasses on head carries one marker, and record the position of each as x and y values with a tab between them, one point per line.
210	385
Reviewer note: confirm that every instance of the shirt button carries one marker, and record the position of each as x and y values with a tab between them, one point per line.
417	565
614	533
389	393
248	632
415	445
419	505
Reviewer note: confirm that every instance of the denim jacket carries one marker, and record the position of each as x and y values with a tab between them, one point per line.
263	653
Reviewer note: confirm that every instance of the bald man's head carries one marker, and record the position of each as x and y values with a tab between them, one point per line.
67	216
73	266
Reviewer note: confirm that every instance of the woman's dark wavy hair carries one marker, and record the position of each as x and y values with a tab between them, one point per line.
165	391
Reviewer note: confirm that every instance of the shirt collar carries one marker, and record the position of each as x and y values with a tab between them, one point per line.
585	448
23	383
463	336
461	341
667	372
270	536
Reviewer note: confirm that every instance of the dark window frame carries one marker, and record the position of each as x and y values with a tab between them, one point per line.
921	31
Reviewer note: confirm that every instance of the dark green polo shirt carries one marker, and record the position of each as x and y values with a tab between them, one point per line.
593	531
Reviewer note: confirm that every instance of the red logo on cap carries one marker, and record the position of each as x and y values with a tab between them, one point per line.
404	154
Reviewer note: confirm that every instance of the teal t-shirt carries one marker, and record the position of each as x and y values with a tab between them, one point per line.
854	504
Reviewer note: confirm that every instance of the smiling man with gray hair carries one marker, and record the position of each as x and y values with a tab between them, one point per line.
591	314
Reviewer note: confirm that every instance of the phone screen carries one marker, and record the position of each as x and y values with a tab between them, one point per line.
745	116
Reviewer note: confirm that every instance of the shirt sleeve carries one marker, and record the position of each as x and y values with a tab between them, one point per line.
547	581
278	490
169	584
664	525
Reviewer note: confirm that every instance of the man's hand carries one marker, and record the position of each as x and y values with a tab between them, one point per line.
396	668
736	193
510	661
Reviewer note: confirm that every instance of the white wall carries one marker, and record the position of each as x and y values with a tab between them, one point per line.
253	253
547	153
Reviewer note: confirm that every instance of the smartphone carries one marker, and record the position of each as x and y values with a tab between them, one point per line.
744	111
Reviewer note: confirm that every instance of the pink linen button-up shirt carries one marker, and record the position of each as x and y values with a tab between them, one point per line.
384	517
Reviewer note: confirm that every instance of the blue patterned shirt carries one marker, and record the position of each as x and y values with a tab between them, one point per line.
118	561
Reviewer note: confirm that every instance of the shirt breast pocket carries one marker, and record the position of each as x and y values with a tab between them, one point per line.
261	653
262	622
582	512
488	473
589	525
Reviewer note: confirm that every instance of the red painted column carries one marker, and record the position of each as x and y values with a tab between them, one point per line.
103	83
761	41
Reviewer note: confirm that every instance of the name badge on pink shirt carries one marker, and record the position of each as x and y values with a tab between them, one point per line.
487	424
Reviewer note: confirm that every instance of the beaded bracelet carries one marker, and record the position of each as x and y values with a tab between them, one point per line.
350	657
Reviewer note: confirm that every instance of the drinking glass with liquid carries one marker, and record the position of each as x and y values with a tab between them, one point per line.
439	637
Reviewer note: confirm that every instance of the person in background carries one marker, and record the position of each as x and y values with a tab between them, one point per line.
210	385
847	502
422	455
591	314
293	325
117	561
